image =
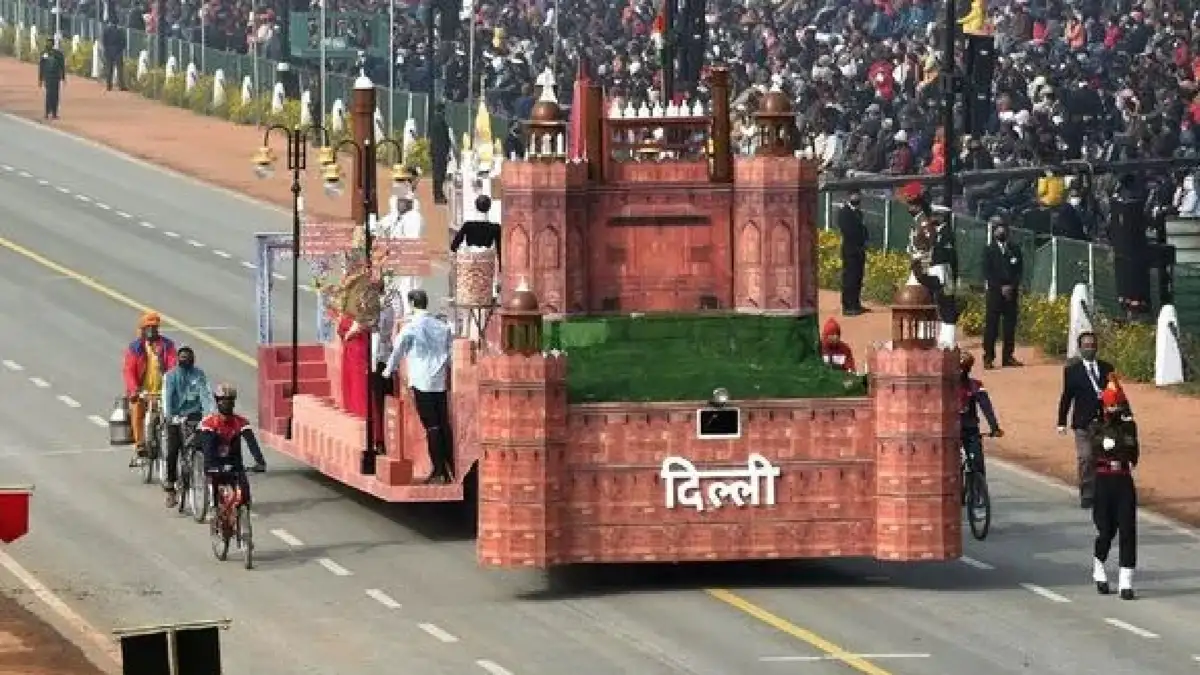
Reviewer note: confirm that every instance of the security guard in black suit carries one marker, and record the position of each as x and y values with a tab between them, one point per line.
113	40
52	75
854	253
1002	267
1114	438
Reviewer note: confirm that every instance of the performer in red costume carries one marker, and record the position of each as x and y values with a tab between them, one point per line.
356	342
834	352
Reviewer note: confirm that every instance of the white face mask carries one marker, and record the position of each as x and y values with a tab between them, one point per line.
1075	201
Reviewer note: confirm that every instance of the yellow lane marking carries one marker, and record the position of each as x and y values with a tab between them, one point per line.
122	299
727	597
788	628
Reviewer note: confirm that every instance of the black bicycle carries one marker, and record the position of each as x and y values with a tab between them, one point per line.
231	518
192	487
975	496
154	463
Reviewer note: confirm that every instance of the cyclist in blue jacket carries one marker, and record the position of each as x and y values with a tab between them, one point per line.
974	399
186	397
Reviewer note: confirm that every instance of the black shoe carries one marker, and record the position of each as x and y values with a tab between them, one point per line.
1012	363
1102	588
259	468
1127	594
1086	503
851	312
989	364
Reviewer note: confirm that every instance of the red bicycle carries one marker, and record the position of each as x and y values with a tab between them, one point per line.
231	522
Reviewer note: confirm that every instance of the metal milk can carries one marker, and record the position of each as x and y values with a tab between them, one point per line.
120	423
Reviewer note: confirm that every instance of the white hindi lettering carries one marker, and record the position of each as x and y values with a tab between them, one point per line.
753	486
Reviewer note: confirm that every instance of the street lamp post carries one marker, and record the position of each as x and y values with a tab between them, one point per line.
297	162
365	150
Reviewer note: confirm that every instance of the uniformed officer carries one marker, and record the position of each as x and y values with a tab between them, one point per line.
1003	265
52	75
1114	439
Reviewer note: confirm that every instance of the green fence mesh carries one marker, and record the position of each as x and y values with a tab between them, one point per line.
1052	265
394	105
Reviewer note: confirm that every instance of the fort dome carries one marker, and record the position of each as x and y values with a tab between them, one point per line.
913	295
523	300
775	103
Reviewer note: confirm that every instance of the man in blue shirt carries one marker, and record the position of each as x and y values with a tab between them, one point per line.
424	343
186	397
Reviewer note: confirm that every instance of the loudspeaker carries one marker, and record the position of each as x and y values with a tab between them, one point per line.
146	654
199	651
147	651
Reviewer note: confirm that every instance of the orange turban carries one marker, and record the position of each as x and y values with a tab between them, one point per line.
912	192
149	319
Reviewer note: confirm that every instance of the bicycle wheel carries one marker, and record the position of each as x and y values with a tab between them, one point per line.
183	487
246	534
200	494
221	530
979	505
150	439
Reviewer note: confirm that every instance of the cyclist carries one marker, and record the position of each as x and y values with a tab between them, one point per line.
221	436
187	397
147	359
974	399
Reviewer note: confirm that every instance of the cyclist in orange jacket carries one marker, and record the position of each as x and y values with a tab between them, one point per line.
147	360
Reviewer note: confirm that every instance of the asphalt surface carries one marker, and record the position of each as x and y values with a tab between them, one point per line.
346	585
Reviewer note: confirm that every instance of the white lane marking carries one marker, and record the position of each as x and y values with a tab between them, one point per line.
493	668
195	244
977	564
287	537
98	420
39	383
65	191
148	226
1045	593
438	632
842	657
102	205
24	174
83	198
306	288
173	235
7	168
1140	632
333	567
68	401
382	598
43	181
249	265
221	254
279	276
81	451
13	365
1049	481
106	645
124	214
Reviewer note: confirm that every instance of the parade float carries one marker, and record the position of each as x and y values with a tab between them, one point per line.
647	386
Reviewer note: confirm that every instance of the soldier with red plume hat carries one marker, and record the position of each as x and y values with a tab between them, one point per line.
1114	440
943	261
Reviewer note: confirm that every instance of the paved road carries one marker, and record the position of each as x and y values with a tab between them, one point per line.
335	565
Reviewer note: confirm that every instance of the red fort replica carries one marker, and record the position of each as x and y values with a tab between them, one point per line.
648	387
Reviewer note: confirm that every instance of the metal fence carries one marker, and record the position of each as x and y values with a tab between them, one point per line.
395	106
1053	265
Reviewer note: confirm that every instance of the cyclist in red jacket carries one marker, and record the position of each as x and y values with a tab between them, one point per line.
974	399
221	436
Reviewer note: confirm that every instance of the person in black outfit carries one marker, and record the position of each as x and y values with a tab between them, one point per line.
1083	382
439	148
113	42
854	253
52	75
1002	264
1114	438
481	233
1127	232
